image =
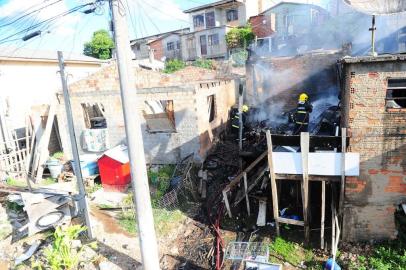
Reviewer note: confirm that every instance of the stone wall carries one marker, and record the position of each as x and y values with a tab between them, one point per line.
379	135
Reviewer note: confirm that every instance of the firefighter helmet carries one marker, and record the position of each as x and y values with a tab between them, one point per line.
245	108
303	97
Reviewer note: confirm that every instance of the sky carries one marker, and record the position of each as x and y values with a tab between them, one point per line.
69	33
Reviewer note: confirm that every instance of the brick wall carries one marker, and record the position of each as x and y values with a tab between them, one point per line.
380	138
158	49
260	28
160	148
276	79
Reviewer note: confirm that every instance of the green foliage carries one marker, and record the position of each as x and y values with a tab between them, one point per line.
204	63
174	65
48	181
57	155
384	257
240	37
60	255
287	250
160	182
94	188
100	46
15	182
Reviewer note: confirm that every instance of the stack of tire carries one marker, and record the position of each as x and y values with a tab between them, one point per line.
400	220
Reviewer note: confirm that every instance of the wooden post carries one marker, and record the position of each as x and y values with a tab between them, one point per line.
342	187
246	194
204	184
333	227
304	146
273	182
227	203
323	210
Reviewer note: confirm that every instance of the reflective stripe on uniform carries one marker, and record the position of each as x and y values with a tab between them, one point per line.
301	112
302	123
234	126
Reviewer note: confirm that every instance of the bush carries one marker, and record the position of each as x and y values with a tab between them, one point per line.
174	65
204	63
240	37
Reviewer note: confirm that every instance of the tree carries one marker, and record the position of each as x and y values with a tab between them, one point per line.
100	46
239	37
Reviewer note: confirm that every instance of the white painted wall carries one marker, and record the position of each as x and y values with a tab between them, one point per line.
25	83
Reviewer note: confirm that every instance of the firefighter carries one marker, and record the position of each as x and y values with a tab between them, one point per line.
235	121
302	114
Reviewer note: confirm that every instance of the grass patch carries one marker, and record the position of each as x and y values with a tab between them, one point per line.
385	256
48	181
165	221
94	188
289	251
16	182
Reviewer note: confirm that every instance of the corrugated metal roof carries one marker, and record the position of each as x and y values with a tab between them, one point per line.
25	53
217	3
378	7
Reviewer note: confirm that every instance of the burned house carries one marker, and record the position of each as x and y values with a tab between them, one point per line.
374	111
182	113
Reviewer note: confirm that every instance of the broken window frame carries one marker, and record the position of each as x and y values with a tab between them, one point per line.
198	20
91	111
167	113
395	85
211	107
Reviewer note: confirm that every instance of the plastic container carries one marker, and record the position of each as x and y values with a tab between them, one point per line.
55	168
88	165
114	169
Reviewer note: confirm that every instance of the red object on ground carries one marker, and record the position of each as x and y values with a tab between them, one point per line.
114	171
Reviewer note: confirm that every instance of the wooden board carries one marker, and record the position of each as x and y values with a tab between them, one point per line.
261	220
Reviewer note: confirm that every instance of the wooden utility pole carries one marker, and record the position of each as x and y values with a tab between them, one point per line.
139	178
83	204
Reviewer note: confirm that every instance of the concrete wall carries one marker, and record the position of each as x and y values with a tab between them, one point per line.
175	53
225	97
380	138
188	99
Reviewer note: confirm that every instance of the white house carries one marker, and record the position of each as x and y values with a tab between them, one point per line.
30	78
210	24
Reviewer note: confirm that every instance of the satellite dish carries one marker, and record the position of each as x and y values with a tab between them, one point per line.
378	7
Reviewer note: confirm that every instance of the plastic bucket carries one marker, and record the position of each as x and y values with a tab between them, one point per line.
55	168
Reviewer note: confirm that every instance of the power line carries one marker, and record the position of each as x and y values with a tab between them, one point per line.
25	15
47	21
133	22
163	12
149	18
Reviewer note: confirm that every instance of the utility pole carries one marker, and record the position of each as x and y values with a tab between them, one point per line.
83	204
139	178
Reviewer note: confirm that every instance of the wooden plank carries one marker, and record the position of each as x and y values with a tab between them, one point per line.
323	210
43	145
297	177
246	194
291	221
304	145
238	178
251	186
261	220
272	177
204	185
333	227
227	203
342	186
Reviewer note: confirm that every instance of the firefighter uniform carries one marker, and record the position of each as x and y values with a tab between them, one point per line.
302	115
235	121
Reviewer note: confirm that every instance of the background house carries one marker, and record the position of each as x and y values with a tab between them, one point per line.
29	80
210	24
158	43
294	23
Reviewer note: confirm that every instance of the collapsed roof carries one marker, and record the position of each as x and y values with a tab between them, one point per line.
378	7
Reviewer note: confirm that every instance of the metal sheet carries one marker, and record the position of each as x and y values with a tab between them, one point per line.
378	7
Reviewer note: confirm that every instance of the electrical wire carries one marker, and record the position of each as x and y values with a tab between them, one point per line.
149	18
25	15
163	12
46	21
